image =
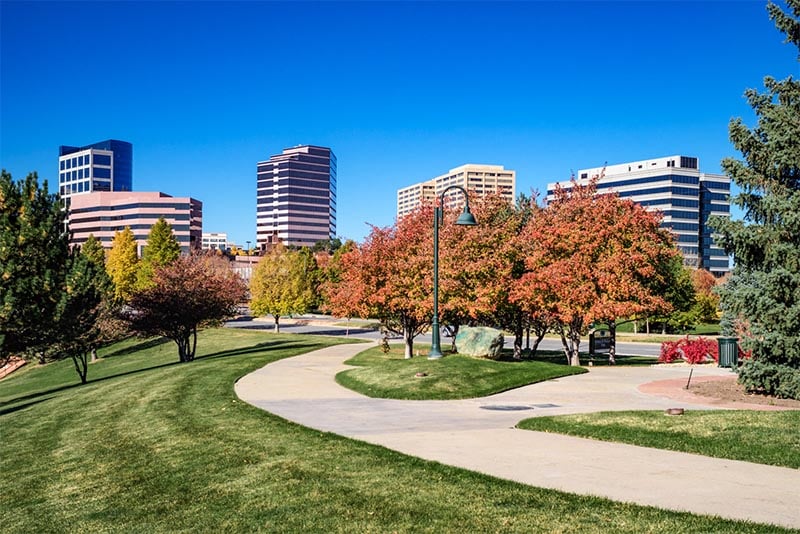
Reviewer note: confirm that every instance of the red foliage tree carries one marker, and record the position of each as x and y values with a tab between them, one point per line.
478	266
190	293
389	277
591	258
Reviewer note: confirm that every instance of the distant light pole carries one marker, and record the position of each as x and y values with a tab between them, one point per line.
248	252
465	219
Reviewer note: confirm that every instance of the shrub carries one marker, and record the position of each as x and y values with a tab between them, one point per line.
770	379
698	350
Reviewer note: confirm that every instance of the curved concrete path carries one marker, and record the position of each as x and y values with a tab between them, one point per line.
479	435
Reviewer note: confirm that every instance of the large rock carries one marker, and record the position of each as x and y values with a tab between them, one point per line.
480	341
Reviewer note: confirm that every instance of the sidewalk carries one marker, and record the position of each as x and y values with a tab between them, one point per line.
479	435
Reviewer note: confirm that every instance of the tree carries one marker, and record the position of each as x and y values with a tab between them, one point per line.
188	294
282	284
591	258
390	277
79	310
478	266
123	264
764	290
93	249
162	248
33	256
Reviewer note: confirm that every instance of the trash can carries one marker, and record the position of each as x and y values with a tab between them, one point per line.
728	352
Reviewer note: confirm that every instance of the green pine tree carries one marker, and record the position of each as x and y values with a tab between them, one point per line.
33	255
162	248
764	292
79	311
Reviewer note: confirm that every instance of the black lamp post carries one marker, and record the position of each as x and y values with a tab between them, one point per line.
465	219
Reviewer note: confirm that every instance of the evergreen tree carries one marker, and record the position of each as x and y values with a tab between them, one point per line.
123	264
79	311
93	249
764	293
33	255
162	248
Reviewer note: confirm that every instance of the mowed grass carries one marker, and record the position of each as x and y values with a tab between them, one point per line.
454	376
156	446
771	438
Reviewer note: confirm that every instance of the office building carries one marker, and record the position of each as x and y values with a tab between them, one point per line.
103	166
683	195
296	197
215	241
104	213
479	180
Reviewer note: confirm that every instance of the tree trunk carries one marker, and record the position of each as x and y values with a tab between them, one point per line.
612	349
454	332
518	333
647	326
408	339
538	339
81	366
277	321
94	354
635	327
194	343
572	342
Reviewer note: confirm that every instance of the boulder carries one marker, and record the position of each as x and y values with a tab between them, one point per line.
480	341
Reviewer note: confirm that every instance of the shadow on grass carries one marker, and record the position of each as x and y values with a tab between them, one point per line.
144	344
12	404
259	347
67	387
598	360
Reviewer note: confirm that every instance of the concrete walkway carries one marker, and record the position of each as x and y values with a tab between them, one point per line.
479	435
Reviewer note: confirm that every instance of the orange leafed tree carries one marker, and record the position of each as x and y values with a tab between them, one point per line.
478	266
592	258
389	277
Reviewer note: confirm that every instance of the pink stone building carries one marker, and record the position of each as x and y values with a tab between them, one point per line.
104	213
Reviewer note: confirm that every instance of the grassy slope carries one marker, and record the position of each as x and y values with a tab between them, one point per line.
763	437
171	448
452	377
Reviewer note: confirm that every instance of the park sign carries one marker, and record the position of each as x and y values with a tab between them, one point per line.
600	342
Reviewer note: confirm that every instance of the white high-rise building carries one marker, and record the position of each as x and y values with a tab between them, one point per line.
675	187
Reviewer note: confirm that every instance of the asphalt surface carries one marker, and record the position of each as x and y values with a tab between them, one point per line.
324	326
479	434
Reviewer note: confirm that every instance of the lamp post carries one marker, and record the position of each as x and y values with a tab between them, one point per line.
465	219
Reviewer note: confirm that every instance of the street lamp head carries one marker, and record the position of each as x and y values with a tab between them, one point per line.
466	218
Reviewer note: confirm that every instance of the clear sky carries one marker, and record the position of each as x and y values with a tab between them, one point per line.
402	92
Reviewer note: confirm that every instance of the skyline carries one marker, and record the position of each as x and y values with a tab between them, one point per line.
401	92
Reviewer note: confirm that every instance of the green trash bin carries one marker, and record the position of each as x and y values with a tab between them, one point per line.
728	352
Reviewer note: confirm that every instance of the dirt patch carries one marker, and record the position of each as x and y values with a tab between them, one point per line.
731	391
717	391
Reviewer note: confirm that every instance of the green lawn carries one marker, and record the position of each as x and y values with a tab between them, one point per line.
389	376
154	446
753	436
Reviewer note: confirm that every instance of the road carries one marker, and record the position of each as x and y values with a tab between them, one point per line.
318	325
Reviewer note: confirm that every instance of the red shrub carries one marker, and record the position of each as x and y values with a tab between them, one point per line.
699	350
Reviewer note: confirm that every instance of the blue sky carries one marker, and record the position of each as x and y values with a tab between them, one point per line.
401	92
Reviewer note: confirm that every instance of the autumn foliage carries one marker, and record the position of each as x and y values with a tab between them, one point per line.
388	277
697	350
590	258
185	295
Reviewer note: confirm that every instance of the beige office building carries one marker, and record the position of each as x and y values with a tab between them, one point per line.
479	180
102	214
